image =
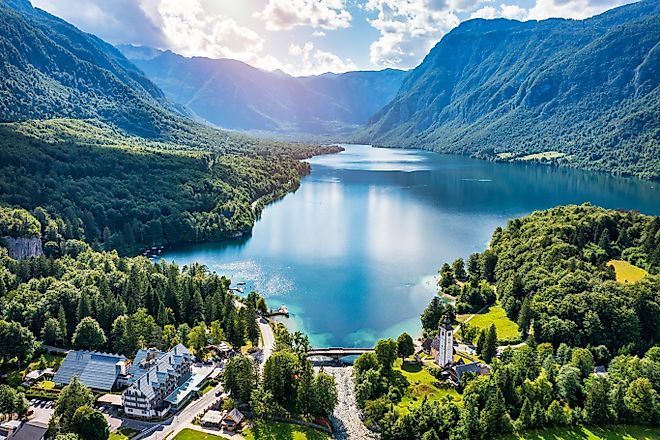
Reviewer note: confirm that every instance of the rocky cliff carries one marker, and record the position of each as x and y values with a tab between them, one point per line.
23	247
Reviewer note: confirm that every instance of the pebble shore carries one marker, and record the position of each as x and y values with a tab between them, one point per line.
346	422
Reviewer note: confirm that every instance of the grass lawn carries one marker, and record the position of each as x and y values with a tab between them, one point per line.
626	272
422	383
506	329
209	386
545	155
275	431
47	384
122	434
192	434
53	361
581	433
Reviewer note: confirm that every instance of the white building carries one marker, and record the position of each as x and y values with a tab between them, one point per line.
442	346
159	382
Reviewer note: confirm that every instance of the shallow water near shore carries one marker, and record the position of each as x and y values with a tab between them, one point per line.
352	253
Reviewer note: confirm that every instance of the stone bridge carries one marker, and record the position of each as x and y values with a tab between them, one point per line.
336	353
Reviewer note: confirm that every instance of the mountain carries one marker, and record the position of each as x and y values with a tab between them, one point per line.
52	69
583	93
232	94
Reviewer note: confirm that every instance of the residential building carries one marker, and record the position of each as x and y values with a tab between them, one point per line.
98	371
233	420
159	382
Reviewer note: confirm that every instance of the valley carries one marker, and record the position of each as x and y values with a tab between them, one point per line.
266	220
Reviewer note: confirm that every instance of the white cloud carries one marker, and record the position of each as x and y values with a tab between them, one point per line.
409	29
314	61
485	12
190	30
318	34
572	8
286	14
513	12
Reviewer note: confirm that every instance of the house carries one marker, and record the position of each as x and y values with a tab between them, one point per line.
9	428
600	370
459	369
233	420
212	418
35	375
17	430
159	382
426	345
98	371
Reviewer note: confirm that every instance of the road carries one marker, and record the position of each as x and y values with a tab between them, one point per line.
267	342
184	418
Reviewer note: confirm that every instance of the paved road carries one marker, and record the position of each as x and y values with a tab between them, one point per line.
267	342
183	419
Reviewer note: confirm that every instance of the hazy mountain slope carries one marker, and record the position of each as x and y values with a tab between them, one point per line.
501	88
51	69
235	95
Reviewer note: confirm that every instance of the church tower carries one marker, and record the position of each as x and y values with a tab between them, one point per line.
446	348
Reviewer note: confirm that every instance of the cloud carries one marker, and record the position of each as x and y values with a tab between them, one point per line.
190	30
572	8
117	21
513	12
314	61
485	12
280	15
409	29
318	34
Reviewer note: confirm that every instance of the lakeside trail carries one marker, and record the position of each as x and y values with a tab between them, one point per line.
346	422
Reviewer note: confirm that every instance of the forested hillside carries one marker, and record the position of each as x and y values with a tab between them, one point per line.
550	274
232	94
586	93
552	278
100	301
127	193
51	69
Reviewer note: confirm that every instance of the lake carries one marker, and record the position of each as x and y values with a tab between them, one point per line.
354	251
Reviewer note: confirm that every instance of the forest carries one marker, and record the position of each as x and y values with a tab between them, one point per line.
122	192
77	297
552	278
548	270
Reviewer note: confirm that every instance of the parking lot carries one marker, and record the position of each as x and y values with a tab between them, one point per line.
42	410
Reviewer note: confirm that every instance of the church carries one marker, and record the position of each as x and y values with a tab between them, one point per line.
442	346
442	351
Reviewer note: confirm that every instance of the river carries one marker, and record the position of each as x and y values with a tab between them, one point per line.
353	252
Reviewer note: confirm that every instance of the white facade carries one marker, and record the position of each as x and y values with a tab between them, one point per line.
446	349
156	376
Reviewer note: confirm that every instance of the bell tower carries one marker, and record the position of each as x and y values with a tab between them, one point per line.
446	349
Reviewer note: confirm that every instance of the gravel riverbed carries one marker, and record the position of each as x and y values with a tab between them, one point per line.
346	421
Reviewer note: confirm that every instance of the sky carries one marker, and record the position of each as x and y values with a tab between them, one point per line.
302	37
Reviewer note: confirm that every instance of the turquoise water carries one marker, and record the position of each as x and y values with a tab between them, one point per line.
354	251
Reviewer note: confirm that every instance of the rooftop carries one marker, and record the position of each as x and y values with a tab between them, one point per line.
97	370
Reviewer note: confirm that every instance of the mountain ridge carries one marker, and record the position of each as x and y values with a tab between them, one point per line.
234	95
503	89
52	69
